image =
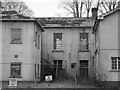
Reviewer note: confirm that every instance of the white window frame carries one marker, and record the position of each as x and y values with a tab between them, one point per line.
117	59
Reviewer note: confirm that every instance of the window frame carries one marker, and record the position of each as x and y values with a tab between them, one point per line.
87	45
57	65
14	29
84	64
15	66
38	41
116	61
54	42
36	34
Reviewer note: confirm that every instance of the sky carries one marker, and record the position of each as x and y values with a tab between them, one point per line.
45	8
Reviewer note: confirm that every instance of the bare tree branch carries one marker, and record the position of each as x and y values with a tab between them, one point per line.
18	6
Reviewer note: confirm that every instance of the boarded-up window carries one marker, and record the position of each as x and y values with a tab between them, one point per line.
83	41
58	41
16	36
16	69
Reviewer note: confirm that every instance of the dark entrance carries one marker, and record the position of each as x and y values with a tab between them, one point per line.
83	69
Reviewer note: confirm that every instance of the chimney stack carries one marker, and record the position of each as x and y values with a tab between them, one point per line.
94	13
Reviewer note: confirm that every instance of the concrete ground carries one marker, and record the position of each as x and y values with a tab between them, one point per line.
64	84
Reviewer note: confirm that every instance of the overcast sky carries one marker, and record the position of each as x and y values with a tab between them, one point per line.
45	8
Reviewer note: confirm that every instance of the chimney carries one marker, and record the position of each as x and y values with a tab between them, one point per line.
94	13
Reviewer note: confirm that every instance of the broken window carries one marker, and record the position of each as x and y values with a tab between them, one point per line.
57	41
15	69
115	63
16	36
83	41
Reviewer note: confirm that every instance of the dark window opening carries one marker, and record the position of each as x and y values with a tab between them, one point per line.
84	66
57	64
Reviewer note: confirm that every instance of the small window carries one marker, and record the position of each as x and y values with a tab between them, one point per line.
115	63
83	41
16	69
58	41
16	36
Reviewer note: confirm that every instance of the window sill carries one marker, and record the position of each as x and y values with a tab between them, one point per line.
114	71
83	51
57	51
16	77
15	43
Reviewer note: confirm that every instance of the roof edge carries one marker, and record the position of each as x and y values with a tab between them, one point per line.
24	20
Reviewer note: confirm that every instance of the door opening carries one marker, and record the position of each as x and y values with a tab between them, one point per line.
84	69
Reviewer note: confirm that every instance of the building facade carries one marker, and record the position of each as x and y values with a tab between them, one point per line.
21	49
67	44
107	47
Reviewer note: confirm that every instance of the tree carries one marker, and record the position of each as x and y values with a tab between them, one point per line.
88	6
77	7
18	6
80	8
105	6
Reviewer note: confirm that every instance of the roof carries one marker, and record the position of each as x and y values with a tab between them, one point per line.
13	16
66	22
23	20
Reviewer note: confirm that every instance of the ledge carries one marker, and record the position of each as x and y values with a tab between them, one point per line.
15	43
114	71
16	77
57	51
83	50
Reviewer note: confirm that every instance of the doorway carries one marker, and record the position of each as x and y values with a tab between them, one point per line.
84	69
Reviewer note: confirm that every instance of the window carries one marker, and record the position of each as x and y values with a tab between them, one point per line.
38	71
57	41
16	37
38	41
35	71
15	69
84	64
83	41
57	64
115	63
84	68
